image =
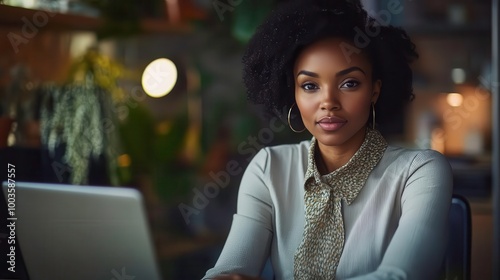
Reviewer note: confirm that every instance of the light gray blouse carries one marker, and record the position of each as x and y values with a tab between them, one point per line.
396	227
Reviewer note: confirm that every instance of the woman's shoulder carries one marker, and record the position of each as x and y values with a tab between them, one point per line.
410	151
415	158
283	155
286	149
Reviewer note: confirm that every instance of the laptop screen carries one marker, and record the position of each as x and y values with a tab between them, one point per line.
81	232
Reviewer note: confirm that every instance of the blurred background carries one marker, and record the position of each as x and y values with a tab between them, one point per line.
148	94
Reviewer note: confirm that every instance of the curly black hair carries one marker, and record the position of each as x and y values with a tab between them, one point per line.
270	55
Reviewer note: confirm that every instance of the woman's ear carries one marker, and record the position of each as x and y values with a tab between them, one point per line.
377	85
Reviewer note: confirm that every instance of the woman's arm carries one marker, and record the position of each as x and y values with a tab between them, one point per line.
248	244
418	246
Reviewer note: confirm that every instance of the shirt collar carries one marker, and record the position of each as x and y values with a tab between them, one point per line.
346	182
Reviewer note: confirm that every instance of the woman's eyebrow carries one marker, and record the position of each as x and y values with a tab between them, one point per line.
349	70
308	73
340	73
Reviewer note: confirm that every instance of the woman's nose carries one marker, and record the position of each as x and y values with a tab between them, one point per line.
330	100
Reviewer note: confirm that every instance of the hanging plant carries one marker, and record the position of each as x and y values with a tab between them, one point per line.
76	116
100	70
79	116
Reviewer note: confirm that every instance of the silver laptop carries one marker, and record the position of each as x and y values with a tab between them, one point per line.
83	232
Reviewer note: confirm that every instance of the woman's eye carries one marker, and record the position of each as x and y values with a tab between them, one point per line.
309	87
350	84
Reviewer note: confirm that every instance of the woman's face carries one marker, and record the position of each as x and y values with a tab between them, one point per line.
334	91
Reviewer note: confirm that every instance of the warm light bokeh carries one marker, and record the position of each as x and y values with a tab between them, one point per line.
159	77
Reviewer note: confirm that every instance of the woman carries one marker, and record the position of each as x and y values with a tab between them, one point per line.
344	205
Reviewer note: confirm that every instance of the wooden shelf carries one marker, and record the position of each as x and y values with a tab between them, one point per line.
163	26
17	17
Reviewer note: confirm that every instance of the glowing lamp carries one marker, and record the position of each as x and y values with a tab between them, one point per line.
159	77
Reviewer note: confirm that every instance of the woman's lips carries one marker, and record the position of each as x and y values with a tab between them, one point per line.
331	123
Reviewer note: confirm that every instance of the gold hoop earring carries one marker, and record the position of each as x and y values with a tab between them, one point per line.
373	115
289	120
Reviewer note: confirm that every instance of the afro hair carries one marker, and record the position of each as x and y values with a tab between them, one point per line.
270	55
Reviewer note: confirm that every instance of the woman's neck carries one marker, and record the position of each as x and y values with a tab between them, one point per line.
331	158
